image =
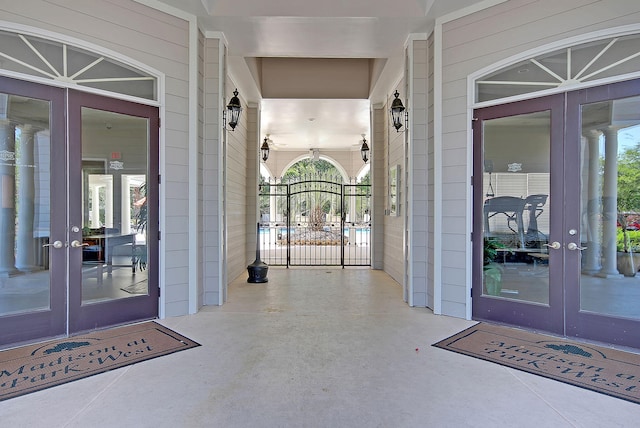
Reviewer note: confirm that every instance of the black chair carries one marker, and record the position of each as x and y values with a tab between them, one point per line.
511	207
533	204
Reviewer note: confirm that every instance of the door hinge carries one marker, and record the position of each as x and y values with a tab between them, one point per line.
472	180
159	290
159	179
159	235
159	123
471	293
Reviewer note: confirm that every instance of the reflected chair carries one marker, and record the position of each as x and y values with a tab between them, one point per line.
533	204
511	207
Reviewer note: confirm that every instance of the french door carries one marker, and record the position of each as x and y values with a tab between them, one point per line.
559	189
76	217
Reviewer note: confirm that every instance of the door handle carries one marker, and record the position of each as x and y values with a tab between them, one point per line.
555	245
54	244
573	246
75	244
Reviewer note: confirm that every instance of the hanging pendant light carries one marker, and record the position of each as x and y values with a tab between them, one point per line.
264	149
364	150
396	112
233	111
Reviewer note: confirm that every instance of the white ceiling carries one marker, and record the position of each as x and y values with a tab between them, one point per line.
316	29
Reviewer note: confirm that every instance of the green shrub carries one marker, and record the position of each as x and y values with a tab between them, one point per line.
633	237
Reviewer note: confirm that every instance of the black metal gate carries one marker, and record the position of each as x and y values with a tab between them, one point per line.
315	222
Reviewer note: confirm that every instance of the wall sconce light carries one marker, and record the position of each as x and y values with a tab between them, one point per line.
364	150
396	113
264	149
233	111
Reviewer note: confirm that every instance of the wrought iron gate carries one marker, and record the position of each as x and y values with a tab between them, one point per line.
315	222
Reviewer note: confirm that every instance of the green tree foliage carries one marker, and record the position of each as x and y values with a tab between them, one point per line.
628	192
309	168
629	179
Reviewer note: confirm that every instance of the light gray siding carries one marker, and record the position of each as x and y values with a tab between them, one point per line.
394	254
430	170
211	204
419	212
236	189
379	175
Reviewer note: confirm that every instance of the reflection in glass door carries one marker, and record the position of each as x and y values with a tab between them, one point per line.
113	263
32	213
516	207
114	244
518	261
24	213
604	300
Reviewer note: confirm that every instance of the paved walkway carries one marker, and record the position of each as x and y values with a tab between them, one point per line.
316	348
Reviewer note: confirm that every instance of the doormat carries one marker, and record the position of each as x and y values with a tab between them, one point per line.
39	366
141	287
604	370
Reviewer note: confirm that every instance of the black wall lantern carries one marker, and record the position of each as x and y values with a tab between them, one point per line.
364	150
232	113
396	112
264	149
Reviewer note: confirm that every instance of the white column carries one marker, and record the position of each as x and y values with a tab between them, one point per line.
7	197
352	213
592	263
94	215
25	240
126	204
609	204
108	204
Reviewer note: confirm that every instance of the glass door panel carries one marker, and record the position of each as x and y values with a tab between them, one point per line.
603	288
114	153
113	263
24	213
516	207
610	283
517	257
32	212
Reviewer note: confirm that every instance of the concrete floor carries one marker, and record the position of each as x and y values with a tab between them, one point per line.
316	348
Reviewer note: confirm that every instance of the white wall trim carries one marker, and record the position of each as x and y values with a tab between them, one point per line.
409	155
193	146
91	47
407	185
550	47
437	168
194	171
437	143
222	185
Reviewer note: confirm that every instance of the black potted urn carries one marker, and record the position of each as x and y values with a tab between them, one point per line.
257	270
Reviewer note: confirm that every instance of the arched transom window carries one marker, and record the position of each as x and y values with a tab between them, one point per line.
564	68
47	59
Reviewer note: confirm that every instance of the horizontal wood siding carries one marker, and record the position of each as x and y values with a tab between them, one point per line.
420	209
393	225
379	186
211	204
236	190
430	178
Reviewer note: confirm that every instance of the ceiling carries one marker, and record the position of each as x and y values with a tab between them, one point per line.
371	29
